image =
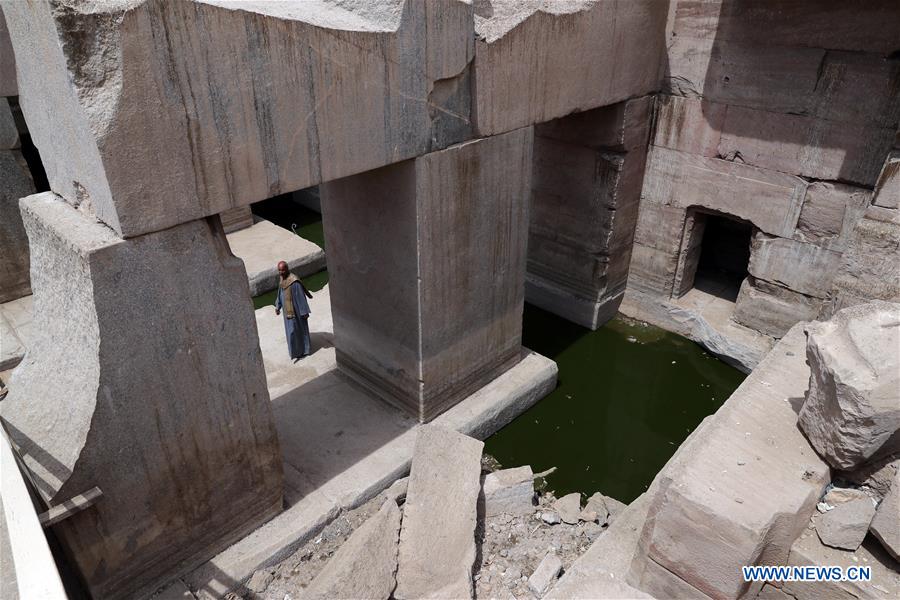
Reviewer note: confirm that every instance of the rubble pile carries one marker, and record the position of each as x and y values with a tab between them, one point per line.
464	533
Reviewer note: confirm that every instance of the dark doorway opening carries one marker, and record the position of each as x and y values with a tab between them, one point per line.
724	256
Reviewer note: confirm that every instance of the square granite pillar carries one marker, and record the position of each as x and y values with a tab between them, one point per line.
143	378
426	260
588	172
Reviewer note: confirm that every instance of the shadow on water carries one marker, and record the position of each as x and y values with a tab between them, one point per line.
628	396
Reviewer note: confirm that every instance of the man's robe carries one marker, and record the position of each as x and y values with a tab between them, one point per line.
291	301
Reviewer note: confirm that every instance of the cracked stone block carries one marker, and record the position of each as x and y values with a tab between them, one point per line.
886	524
150	346
437	540
852	407
271	99
526	51
365	565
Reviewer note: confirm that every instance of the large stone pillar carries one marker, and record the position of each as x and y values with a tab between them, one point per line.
588	172
144	378
427	262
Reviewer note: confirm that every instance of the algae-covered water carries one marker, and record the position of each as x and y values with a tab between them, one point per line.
628	393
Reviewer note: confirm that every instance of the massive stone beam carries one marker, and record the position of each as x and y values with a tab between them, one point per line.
212	104
537	60
144	378
586	187
427	266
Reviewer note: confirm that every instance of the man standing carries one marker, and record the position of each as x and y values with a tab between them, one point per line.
291	298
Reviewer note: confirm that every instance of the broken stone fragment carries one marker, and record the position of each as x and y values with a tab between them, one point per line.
437	541
365	564
569	507
886	524
852	406
260	581
508	491
595	510
545	575
846	525
550	517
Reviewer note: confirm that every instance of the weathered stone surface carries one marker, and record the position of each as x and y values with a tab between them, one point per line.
262	245
829	213
550	517
683	180
525	55
9	134
772	309
596	509
236	219
868	269
689	125
453	320
887	188
568	507
11	350
246	105
845	526
877	475
509	491
886	524
588	170
852	407
812	23
365	565
15	183
805	268
714	509
8	86
437	541
167	410
804	145
545	575
809	550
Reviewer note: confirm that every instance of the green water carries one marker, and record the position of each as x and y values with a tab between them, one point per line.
628	395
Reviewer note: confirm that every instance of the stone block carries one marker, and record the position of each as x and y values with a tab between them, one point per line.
8	86
365	565
152	343
508	491
262	245
868	269
810	23
588	170
689	125
685	180
9	133
713	509
239	114
804	268
772	309
437	540
545	575
829	213
527	61
568	507
886	524
887	188
845	526
449	231
804	145
848	87
236	219
15	183
852	407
